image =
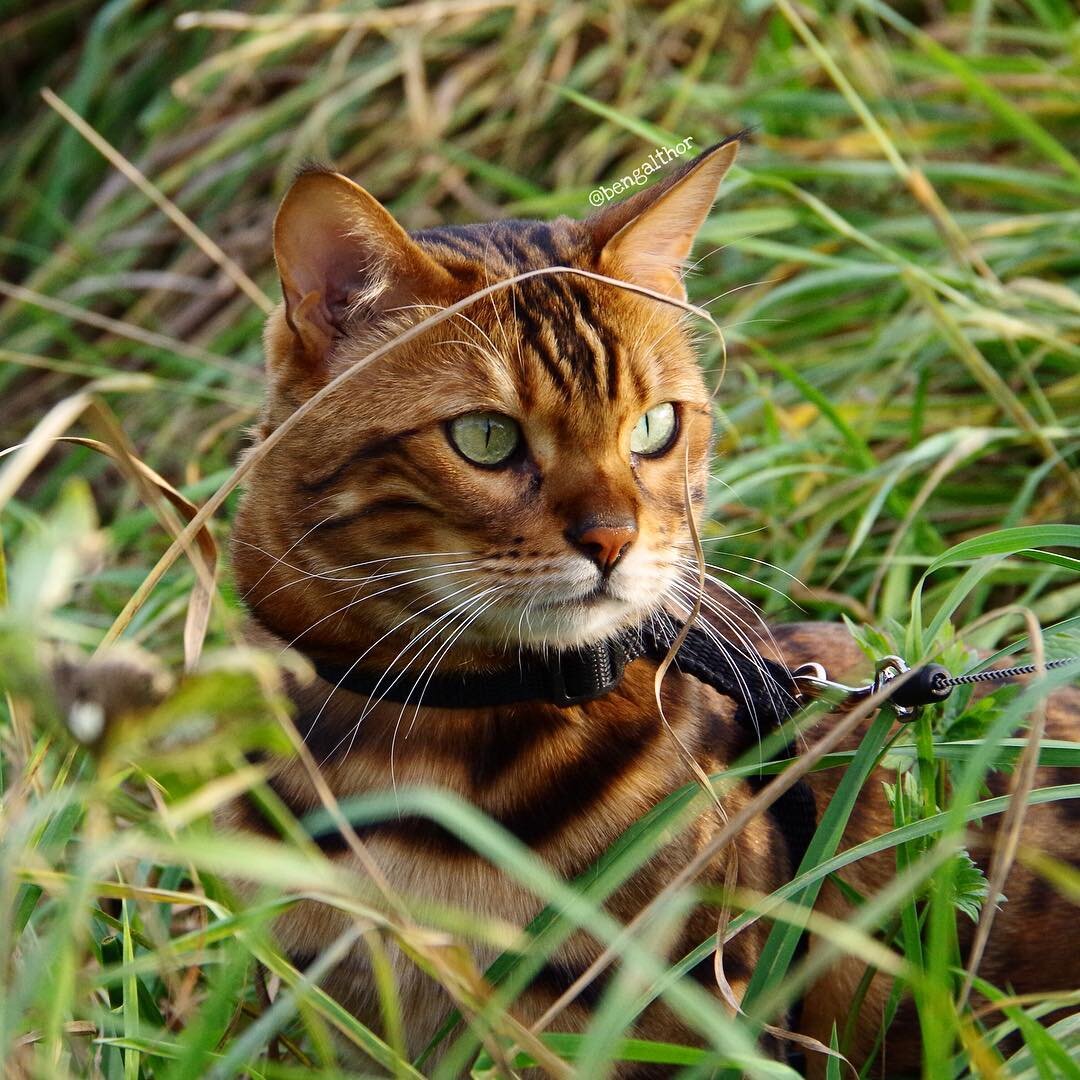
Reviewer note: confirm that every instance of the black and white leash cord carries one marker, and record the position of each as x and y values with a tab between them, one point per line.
927	685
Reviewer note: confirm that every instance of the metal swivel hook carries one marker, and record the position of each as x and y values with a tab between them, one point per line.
886	669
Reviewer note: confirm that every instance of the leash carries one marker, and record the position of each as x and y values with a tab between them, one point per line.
930	684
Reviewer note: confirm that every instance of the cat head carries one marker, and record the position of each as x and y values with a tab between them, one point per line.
516	475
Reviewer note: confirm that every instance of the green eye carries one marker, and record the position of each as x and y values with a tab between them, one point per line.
655	431
485	438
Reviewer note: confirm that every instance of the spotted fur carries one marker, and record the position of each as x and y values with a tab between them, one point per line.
366	537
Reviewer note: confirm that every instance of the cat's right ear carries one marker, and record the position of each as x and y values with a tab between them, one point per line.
342	258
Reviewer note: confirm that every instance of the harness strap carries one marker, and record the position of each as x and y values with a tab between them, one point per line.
767	695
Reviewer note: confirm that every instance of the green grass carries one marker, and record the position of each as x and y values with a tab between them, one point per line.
895	265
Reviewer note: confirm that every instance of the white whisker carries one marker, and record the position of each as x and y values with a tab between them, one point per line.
727	615
726	648
742	577
759	562
690	577
433	664
278	560
372	596
465	566
419	640
353	665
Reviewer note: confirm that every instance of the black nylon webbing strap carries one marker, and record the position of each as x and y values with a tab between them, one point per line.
764	689
767	696
574	676
564	678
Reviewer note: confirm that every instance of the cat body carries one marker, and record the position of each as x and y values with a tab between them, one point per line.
515	479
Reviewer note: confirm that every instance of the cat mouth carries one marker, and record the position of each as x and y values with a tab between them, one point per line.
597	594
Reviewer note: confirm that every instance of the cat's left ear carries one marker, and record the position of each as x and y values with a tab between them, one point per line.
646	239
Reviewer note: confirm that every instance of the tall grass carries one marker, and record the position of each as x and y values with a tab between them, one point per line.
895	265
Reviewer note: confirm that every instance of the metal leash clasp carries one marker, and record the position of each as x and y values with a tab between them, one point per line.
887	668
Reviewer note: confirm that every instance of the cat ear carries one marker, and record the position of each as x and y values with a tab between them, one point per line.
341	257
646	239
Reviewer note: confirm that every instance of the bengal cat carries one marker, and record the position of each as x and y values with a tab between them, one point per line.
511	481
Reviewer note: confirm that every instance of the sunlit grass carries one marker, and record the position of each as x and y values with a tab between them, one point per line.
895	266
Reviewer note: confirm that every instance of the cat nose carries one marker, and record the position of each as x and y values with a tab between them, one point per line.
605	542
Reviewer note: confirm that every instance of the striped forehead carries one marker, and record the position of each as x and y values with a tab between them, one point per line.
589	360
552	328
503	248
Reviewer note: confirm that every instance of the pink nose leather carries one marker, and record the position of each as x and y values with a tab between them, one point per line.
604	544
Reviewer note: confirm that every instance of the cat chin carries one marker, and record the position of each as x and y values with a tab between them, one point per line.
565	626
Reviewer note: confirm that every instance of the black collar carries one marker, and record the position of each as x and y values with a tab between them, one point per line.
573	676
564	678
